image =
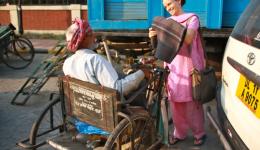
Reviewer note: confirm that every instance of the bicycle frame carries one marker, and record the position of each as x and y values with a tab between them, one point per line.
160	105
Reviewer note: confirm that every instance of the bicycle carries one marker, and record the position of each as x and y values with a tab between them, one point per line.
156	119
41	74
17	52
129	126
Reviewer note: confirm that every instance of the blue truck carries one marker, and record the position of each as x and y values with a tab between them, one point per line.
216	16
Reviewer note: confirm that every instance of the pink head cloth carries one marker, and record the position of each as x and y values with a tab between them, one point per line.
76	33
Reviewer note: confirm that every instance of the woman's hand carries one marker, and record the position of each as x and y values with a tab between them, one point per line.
152	32
153	38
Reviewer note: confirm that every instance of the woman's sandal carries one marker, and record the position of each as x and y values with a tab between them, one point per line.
200	141
174	140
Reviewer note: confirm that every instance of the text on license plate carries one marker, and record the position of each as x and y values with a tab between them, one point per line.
249	93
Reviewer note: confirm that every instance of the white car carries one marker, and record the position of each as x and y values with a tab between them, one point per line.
238	96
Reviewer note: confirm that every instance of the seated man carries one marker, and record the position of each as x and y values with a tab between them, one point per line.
87	65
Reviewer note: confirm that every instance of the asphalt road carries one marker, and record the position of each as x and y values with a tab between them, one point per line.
16	121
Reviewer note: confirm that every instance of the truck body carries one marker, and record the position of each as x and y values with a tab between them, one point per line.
136	15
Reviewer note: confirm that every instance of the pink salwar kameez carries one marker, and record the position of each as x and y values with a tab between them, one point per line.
187	113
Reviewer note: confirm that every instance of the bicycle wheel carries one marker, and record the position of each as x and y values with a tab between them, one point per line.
26	39
142	136
25	51
50	123
18	54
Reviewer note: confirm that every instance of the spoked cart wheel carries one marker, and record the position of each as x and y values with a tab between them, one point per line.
139	130
18	53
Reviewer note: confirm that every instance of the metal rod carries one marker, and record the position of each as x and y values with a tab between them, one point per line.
165	120
20	18
155	144
107	51
221	135
123	34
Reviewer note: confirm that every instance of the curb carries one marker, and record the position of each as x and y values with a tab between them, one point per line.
41	50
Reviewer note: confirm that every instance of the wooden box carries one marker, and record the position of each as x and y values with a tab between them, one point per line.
91	103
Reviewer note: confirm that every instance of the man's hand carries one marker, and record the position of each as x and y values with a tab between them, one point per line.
147	60
147	72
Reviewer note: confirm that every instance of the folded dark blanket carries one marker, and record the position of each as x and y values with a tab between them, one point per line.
170	36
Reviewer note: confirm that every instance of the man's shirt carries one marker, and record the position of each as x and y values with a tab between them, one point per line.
86	65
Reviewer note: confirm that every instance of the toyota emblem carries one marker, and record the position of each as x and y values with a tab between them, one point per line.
251	58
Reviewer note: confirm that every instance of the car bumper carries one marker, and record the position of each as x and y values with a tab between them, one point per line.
226	127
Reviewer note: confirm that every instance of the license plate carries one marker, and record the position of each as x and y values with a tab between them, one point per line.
249	93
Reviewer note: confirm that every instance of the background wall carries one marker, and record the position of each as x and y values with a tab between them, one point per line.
43	19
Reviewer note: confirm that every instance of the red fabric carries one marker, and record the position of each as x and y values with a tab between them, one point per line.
77	33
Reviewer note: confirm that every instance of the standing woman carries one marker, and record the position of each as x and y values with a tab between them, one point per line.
187	113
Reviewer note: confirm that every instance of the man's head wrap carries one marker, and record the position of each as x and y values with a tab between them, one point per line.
76	33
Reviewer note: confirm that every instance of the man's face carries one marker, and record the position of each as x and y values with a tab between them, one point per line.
172	6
